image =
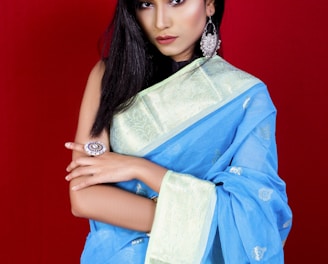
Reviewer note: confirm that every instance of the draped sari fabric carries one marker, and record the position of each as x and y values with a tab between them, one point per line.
222	201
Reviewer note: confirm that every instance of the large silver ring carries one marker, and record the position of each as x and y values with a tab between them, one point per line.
95	148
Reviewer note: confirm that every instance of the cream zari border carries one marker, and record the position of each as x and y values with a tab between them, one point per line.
166	108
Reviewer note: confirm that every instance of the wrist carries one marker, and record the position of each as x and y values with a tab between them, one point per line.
150	173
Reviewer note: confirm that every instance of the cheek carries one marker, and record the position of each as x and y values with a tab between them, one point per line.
194	18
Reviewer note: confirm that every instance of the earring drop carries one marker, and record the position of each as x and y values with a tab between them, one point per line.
209	42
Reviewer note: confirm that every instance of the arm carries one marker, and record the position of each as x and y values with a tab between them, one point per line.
102	202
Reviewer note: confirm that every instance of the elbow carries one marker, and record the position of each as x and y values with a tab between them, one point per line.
77	208
76	211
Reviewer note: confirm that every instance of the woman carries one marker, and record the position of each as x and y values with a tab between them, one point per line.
200	138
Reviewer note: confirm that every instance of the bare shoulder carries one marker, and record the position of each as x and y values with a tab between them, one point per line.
93	85
99	68
97	72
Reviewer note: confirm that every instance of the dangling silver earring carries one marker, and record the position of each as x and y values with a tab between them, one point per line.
209	42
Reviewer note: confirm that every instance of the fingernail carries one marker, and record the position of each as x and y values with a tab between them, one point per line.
74	188
67	144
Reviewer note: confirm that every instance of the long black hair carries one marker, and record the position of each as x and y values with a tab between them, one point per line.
132	63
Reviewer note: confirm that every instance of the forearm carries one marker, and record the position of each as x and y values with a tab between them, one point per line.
114	206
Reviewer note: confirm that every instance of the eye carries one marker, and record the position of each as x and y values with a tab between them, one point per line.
144	4
176	2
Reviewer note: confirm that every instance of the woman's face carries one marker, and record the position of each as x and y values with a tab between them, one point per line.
174	26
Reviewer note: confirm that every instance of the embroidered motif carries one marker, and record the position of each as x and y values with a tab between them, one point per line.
137	241
287	224
217	155
245	104
265	132
236	170
265	194
176	148
140	190
258	253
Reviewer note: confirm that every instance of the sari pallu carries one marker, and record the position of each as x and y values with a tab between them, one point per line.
213	127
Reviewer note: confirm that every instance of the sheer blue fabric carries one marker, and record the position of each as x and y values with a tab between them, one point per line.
234	146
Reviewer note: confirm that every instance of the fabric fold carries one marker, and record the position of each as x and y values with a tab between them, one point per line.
183	218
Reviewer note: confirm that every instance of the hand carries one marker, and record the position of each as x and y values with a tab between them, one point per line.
106	168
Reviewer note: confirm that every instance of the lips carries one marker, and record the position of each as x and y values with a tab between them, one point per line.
165	39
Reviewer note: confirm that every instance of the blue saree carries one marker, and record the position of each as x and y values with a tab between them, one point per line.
222	201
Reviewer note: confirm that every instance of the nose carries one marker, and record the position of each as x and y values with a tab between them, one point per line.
162	19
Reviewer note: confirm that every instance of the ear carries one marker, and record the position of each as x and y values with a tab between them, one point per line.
210	7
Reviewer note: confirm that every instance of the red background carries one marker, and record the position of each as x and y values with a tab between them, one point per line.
47	49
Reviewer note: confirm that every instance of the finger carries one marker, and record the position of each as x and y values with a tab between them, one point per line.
81	161
72	166
81	171
74	146
88	182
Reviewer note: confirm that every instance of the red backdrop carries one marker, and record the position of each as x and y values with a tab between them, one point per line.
47	49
